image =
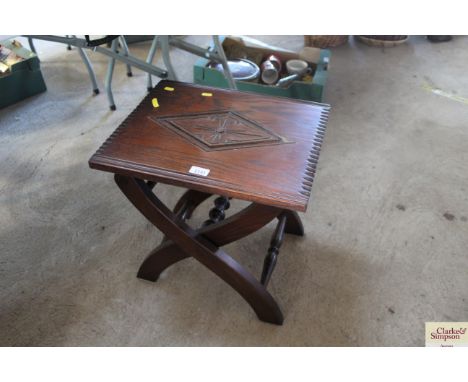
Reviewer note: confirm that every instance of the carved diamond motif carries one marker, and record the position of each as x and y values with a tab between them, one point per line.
220	130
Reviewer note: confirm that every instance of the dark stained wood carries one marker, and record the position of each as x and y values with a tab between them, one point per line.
151	184
217	212
214	258
257	148
190	200
293	223
275	245
235	227
220	130
185	206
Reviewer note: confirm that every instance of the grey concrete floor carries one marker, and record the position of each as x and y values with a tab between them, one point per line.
386	244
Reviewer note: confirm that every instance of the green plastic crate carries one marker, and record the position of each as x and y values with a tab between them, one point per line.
25	78
309	91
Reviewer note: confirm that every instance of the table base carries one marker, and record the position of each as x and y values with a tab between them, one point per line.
181	241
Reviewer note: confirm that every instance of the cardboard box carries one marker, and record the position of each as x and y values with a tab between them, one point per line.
235	45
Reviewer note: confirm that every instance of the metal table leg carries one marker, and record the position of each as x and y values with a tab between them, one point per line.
123	42
110	72
167	58
31	45
90	69
149	60
223	59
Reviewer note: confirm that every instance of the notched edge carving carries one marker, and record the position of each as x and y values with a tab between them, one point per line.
312	160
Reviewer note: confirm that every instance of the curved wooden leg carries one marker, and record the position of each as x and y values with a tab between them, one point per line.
293	223
201	249
165	255
159	259
237	226
187	204
190	200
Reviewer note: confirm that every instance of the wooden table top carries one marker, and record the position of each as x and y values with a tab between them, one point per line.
257	148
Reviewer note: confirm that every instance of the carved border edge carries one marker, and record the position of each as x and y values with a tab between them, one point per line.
314	152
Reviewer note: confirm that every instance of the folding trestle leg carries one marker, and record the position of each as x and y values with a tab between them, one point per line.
124	45
92	75
110	72
149	60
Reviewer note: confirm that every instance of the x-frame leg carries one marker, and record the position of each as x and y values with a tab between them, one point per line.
182	241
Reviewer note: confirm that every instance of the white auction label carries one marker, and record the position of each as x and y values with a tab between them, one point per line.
199	171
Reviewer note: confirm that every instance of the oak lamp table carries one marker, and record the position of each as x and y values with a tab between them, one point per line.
217	142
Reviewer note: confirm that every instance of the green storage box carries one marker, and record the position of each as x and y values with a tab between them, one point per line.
309	91
24	78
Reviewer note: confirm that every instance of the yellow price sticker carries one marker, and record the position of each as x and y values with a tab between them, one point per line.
155	103
169	89
207	94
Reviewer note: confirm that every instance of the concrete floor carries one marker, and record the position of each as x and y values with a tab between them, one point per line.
386	245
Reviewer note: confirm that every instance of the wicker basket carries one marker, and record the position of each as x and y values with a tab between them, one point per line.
385	41
325	41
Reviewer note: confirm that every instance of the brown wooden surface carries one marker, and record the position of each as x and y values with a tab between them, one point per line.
257	148
205	251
